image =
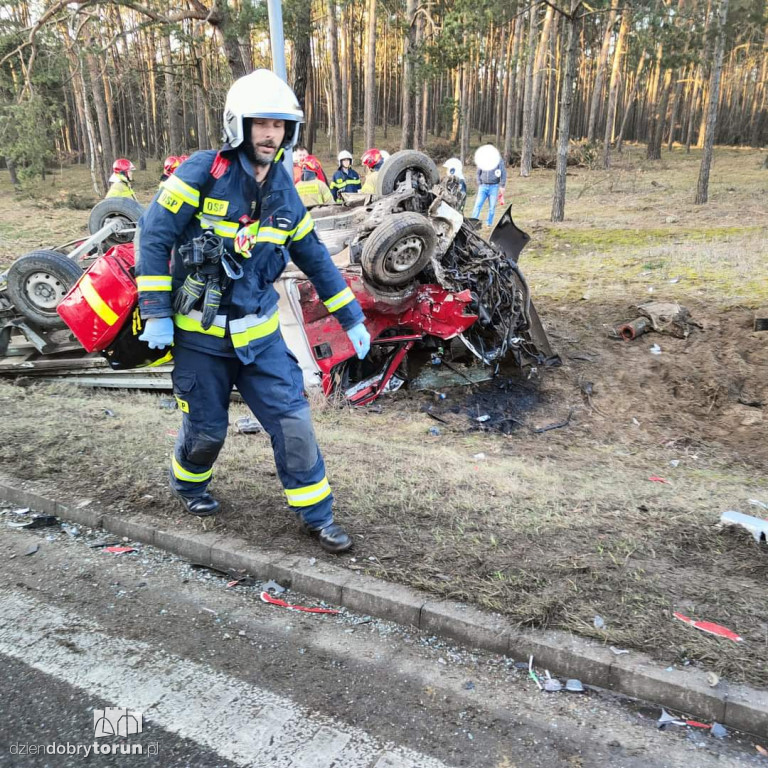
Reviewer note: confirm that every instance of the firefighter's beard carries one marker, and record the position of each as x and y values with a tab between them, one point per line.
257	158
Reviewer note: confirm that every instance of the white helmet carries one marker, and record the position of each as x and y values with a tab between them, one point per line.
344	155
487	157
455	168
261	94
384	155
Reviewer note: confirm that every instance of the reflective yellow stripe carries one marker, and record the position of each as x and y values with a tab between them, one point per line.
188	194
95	302
153	282
191	477
341	299
221	228
166	358
309	494
187	323
306	225
243	338
272	235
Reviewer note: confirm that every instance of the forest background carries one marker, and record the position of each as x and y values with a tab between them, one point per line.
86	81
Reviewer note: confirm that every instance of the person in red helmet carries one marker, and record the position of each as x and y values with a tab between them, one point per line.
121	178
372	159
170	164
303	161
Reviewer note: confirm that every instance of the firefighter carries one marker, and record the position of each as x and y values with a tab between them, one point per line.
302	160
121	178
170	164
456	182
239	208
346	178
312	191
372	159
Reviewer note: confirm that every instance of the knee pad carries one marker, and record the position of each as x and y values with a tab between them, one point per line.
203	447
301	453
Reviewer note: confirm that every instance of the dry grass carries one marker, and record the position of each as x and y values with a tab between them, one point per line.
549	529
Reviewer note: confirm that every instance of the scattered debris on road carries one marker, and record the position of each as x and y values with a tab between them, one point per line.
755	525
38	521
249	426
267	598
710	628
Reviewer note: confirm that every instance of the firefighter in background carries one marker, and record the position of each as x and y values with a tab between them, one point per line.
312	191
170	164
120	182
346	178
238	209
372	159
302	161
455	181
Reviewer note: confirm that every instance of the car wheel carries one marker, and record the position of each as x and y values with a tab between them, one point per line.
395	170
37	282
124	209
398	249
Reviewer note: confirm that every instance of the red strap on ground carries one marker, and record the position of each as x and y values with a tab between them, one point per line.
656	479
711	628
119	550
267	598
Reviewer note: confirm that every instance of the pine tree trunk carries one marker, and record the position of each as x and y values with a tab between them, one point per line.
630	101
675	109
597	93
566	103
528	105
301	61
613	91
370	77
659	119
171	98
104	151
409	122
702	189
339	117
509	126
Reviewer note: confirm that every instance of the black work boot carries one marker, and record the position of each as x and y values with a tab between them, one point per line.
332	538
201	505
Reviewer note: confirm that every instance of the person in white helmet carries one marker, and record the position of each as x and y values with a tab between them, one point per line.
208	249
346	178
491	180
455	181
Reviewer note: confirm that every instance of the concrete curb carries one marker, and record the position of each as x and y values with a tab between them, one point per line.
635	675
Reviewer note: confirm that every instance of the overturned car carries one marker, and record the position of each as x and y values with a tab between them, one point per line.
433	291
435	294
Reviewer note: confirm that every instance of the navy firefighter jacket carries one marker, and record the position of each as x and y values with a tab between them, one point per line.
247	316
345	180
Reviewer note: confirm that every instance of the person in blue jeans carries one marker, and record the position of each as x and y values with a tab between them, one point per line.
491	180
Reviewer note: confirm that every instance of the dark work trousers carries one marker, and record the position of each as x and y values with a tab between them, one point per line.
273	388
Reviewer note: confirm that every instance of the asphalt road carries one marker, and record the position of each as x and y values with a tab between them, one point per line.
222	679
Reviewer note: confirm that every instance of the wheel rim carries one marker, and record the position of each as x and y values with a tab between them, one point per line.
44	291
404	255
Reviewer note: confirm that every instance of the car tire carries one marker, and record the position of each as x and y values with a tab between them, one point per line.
125	209
394	170
398	249
37	282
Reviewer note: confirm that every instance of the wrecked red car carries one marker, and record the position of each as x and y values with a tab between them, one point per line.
434	293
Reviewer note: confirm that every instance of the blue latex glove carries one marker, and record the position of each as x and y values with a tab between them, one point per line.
360	338
158	332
